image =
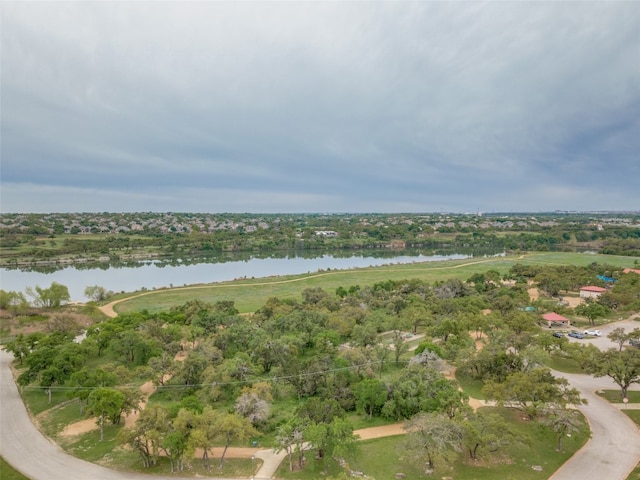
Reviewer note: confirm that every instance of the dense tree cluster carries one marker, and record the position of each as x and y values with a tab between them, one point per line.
376	350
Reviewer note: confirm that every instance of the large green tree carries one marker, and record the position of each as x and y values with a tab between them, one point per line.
50	297
105	403
623	367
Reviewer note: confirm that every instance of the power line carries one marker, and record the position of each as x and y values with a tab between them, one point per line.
212	384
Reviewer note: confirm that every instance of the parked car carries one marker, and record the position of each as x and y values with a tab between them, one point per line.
634	343
593	333
558	334
576	334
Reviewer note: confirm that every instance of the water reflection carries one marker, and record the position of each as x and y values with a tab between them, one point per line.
128	276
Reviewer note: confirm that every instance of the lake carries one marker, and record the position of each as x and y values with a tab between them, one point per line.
158	274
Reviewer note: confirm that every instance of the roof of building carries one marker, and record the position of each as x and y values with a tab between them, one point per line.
554	317
631	270
593	288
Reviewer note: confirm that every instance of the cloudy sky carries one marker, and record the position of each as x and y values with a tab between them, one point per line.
320	106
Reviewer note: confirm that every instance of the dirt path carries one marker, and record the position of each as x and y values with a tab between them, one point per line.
379	432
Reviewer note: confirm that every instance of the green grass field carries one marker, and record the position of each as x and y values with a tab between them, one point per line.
7	472
382	458
251	293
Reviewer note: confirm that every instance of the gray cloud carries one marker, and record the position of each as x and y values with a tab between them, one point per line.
296	106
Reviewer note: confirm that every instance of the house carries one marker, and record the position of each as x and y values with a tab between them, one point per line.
591	291
631	270
555	320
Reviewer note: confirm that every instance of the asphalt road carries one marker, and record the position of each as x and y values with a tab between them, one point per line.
602	342
614	448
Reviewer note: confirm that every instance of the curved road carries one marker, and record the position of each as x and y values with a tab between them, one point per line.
614	448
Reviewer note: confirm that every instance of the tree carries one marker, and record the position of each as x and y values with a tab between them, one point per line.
203	435
146	435
320	410
562	421
49	297
334	438
96	293
85	380
176	441
163	367
231	428
399	345
623	367
134	347
619	336
371	394
432	439
421	389
592	310
105	403
532	391
290	437
20	347
251	406
381	353
15	302
485	433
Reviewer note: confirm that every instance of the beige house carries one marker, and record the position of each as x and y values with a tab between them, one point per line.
591	291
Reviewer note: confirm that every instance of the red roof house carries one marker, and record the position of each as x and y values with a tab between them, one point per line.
555	320
591	291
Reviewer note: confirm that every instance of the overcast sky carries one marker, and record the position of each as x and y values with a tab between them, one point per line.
320	106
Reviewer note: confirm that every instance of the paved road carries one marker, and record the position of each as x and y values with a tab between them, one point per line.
603	343
614	448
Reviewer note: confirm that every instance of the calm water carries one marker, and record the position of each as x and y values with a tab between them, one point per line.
152	275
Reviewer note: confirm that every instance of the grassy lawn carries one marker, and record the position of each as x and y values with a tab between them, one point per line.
563	364
471	386
382	458
37	400
7	472
111	455
615	396
251	293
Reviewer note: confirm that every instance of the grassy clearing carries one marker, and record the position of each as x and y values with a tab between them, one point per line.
471	386
249	294
55	420
109	454
615	396
37	400
563	364
7	472
382	458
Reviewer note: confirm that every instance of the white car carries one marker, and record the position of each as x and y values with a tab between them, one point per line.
593	333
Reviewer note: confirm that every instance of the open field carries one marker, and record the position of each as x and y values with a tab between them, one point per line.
251	294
